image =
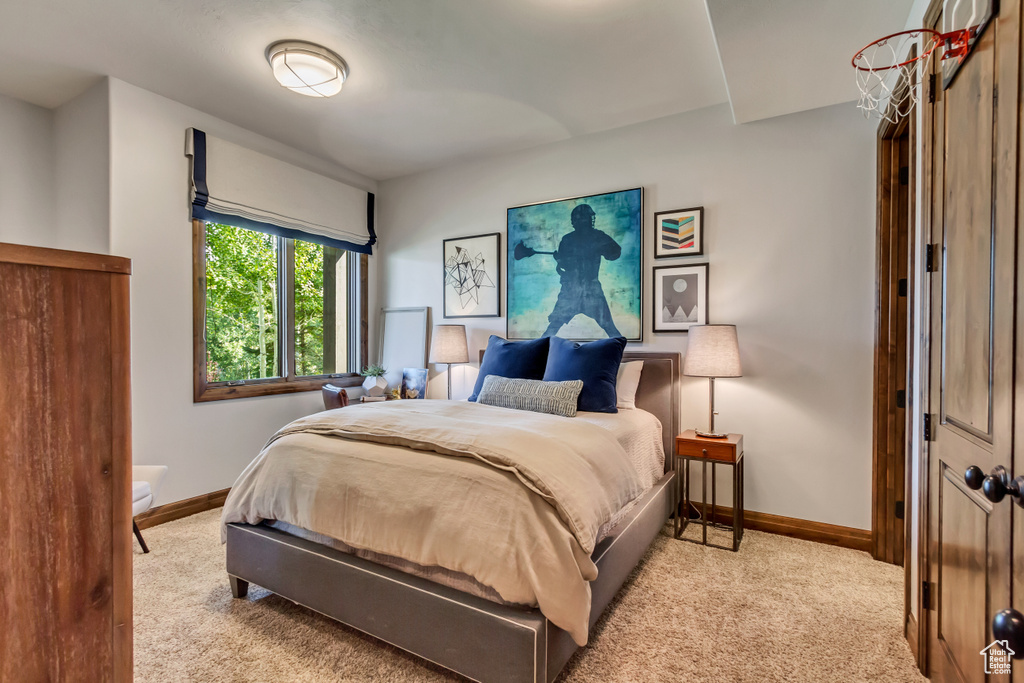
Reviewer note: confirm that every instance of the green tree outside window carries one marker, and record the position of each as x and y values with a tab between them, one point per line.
243	298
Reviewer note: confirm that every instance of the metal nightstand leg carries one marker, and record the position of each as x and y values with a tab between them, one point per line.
714	488
704	499
737	507
678	496
677	499
683	502
742	503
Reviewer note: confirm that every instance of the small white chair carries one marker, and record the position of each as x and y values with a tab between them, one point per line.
146	480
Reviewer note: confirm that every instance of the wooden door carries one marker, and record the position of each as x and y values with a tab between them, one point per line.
895	171
973	157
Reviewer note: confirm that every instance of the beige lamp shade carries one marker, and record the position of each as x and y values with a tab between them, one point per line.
449	344
713	351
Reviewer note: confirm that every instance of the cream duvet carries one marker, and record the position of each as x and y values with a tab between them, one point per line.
511	498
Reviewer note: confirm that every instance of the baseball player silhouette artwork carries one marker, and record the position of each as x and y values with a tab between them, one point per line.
578	264
575	267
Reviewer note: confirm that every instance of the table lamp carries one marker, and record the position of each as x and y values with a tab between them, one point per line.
713	351
449	346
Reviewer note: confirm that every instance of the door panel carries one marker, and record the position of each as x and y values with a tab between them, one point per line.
967	302
963	545
974	222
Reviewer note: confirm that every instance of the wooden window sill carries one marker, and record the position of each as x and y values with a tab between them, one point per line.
220	392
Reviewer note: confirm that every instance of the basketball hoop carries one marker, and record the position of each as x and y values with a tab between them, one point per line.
889	87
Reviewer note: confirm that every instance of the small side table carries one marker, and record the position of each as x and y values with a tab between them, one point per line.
727	451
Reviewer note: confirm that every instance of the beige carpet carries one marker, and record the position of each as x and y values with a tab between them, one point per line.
779	610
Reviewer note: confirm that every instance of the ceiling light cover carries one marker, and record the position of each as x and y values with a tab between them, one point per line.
307	68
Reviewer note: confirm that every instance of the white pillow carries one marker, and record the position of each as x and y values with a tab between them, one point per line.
626	383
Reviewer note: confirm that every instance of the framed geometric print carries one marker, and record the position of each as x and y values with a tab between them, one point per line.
680	297
679	233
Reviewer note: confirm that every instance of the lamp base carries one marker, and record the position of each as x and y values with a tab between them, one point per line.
710	435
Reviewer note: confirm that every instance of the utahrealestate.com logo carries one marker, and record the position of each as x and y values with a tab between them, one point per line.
997	657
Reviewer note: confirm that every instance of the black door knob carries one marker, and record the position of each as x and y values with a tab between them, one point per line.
998	484
1008	625
973	477
994	488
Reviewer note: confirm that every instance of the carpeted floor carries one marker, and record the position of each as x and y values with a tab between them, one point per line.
779	610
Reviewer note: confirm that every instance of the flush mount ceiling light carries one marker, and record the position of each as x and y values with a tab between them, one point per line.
307	68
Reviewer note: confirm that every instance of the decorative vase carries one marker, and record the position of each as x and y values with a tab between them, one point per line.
375	386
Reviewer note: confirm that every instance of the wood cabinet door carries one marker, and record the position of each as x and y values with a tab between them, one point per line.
973	162
65	480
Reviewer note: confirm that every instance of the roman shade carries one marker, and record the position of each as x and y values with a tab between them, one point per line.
234	185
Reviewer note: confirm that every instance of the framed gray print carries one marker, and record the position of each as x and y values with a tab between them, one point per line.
472	276
680	297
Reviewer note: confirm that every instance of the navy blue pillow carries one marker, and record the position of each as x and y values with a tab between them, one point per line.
515	360
596	363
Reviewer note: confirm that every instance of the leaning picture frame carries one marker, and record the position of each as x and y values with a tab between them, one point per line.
404	340
680	297
679	233
472	276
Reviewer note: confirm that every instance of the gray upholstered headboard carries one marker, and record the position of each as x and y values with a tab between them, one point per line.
658	392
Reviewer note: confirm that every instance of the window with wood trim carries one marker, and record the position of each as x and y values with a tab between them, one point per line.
273	315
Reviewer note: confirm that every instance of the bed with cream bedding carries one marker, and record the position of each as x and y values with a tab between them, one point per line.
637	431
503	504
522	509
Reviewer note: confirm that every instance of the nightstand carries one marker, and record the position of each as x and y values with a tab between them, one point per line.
727	451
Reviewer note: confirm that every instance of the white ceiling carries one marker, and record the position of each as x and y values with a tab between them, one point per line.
434	81
783	56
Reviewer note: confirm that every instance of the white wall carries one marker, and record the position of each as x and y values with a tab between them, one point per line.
790	230
27	176
82	142
54	182
206	445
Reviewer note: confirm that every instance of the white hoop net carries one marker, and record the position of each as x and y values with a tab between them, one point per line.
889	80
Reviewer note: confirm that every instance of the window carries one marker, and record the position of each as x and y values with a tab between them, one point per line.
274	315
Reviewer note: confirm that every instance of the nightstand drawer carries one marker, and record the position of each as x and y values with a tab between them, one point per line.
724	450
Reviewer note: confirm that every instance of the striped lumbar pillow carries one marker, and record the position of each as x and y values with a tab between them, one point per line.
555	398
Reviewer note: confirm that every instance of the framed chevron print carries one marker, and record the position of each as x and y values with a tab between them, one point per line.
679	233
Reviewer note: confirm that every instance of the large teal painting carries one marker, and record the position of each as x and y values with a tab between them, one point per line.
574	267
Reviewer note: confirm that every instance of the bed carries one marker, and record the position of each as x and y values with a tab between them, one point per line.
456	625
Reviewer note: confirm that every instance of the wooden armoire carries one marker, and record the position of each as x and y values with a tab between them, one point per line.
65	467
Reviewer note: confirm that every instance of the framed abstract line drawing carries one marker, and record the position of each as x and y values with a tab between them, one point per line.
679	233
472	276
680	297
574	267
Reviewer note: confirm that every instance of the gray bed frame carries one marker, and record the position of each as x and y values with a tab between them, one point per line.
477	638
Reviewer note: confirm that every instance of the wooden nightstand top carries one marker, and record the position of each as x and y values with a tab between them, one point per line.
728	449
